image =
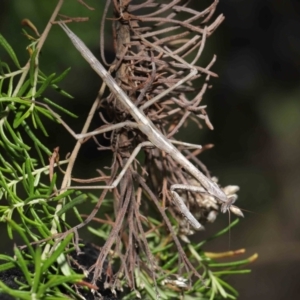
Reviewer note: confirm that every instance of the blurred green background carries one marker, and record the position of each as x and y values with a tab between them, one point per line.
254	106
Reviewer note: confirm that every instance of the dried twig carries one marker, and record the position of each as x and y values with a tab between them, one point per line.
147	106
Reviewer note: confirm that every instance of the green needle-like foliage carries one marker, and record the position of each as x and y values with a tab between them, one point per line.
26	190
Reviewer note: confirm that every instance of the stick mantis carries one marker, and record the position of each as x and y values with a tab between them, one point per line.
155	137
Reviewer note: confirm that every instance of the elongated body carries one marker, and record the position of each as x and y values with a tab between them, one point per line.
143	123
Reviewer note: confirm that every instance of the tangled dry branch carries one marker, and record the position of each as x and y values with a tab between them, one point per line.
155	45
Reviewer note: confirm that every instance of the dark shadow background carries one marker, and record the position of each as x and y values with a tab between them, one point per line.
254	106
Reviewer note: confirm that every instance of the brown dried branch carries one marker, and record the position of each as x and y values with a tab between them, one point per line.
153	47
144	72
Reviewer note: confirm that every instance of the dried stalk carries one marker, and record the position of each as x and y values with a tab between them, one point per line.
154	51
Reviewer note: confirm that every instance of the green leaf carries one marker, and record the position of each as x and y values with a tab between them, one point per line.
10	86
98	233
8	144
30	177
59	107
16	139
9	50
216	286
62	92
23	265
161	249
7	266
58	251
6	258
28	227
14	293
25	182
37	179
62	195
15	100
74	202
229	264
42	228
77	214
45	112
223	231
38	269
33	67
170	262
229	287
20	118
23	88
21	232
52	185
5	186
38	145
61	76
45	84
233	272
57	280
37	121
